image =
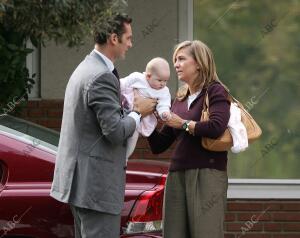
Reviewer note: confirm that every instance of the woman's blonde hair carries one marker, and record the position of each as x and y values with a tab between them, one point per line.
207	68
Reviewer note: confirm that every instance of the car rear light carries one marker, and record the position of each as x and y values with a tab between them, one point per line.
146	215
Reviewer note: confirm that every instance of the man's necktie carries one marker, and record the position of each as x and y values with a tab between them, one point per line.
115	72
123	100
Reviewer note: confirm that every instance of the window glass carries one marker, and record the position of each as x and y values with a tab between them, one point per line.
37	134
256	48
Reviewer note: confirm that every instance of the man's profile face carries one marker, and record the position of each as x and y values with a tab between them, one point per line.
125	42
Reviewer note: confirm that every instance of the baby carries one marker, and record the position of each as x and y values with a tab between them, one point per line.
151	83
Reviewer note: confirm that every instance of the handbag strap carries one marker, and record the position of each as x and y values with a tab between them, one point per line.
206	100
231	98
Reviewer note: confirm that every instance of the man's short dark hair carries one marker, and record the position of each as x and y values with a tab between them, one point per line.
113	25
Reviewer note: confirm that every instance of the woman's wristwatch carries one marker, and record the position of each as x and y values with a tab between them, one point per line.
185	126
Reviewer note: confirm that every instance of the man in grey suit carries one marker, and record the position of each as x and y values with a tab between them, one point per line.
90	164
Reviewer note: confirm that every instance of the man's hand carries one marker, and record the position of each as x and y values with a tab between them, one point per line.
145	106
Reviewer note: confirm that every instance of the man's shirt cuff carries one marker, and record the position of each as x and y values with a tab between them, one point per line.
136	117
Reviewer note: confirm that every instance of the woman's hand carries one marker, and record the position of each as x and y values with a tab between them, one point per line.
175	121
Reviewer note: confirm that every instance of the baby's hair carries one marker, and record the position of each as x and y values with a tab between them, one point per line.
156	65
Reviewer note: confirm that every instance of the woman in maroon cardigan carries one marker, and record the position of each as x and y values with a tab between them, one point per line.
196	187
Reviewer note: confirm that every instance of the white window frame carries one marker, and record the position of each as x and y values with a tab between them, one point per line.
185	22
186	18
263	189
33	66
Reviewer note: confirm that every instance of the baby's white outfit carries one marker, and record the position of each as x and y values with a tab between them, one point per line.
237	130
138	81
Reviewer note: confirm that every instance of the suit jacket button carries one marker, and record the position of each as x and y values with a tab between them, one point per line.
125	167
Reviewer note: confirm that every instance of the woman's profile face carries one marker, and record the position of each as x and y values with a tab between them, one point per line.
186	67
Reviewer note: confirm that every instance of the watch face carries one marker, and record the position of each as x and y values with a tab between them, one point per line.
184	126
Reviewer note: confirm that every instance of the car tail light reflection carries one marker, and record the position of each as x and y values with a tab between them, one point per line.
146	215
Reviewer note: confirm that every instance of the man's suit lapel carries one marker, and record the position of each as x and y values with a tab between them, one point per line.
100	59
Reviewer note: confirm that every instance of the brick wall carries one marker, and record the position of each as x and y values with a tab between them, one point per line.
263	219
47	113
244	218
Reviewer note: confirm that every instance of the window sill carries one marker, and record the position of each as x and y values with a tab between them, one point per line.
264	189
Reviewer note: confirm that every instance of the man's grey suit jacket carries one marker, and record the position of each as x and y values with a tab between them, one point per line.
90	163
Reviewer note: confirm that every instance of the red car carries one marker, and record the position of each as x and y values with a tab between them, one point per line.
27	157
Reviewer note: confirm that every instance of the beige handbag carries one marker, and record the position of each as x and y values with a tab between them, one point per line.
224	142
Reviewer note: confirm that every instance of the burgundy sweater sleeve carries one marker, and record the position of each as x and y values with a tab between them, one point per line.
160	141
219	113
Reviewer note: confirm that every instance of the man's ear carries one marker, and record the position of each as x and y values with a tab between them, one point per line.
113	38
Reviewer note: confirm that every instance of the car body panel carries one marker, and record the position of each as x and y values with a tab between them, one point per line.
26	208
